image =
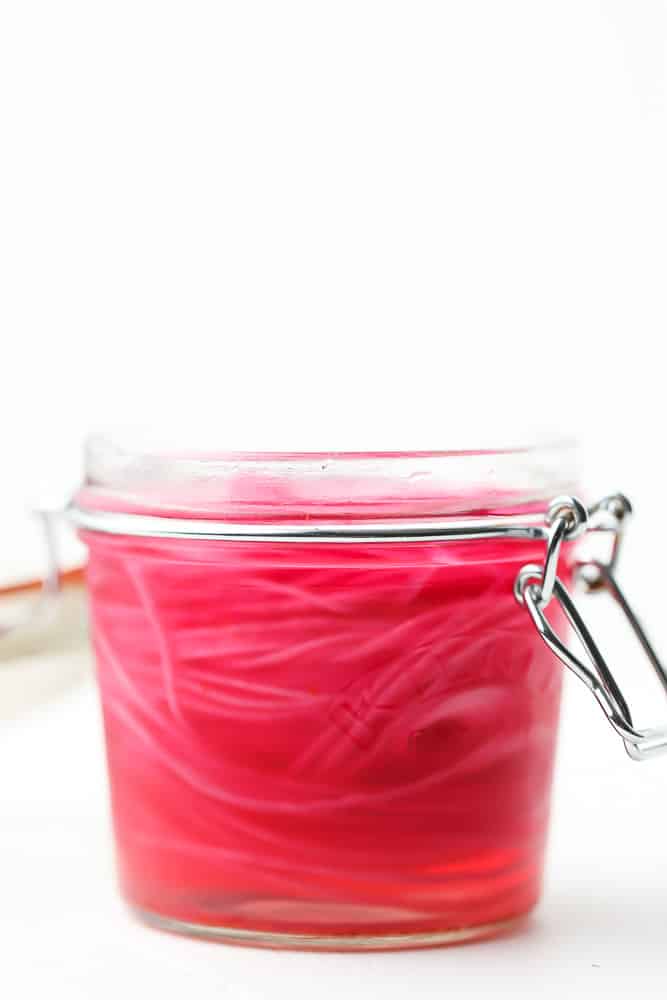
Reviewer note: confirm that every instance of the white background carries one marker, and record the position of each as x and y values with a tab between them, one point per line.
350	224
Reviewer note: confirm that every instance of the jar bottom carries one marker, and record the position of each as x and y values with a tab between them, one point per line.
332	942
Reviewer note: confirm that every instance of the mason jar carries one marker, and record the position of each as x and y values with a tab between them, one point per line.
330	722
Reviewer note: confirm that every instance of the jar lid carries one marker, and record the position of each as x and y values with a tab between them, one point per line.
136	475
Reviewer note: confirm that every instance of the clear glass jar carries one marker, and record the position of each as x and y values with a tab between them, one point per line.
328	721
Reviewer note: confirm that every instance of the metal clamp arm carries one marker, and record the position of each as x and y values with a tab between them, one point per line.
536	586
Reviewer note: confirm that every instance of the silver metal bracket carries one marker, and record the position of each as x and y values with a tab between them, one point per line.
536	586
46	602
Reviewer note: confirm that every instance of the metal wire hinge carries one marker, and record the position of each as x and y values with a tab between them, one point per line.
536	586
45	605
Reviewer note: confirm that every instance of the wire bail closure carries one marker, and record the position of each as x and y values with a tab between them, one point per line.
566	519
46	603
536	586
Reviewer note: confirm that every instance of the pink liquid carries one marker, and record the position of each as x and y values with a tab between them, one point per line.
339	739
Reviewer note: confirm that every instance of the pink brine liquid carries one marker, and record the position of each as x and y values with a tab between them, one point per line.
338	740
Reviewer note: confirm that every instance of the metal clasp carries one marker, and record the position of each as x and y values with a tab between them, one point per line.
45	604
536	586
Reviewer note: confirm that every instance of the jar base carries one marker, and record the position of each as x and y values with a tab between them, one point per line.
330	942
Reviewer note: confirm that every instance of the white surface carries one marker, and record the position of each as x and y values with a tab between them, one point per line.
331	224
64	932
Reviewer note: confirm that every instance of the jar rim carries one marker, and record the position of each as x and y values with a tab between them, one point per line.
126	474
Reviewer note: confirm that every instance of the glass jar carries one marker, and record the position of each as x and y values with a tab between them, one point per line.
328	721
